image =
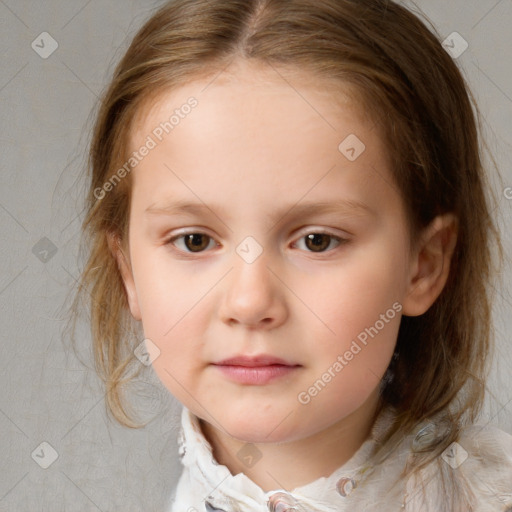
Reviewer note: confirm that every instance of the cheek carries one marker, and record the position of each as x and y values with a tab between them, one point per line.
346	369
174	322
173	317
180	358
350	297
357	316
167	291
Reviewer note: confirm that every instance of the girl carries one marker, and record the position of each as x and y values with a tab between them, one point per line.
287	197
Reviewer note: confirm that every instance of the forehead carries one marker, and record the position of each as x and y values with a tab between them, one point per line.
279	125
254	85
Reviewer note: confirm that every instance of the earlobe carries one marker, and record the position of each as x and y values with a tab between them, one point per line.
126	274
431	264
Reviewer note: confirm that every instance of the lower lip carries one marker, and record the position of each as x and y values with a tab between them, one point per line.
256	375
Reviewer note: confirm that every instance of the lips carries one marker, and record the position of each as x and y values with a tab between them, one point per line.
254	361
256	370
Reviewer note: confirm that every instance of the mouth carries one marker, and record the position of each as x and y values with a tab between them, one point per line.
255	370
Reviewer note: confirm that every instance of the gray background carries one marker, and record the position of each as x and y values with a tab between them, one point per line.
47	394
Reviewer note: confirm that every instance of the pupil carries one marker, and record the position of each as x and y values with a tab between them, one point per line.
195	240
317	239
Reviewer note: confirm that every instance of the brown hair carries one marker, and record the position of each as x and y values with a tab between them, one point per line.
404	77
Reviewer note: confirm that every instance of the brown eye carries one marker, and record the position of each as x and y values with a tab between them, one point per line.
317	242
196	242
192	242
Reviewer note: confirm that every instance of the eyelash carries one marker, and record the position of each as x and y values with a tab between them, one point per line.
340	241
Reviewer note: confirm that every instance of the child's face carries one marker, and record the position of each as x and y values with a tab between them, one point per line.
251	155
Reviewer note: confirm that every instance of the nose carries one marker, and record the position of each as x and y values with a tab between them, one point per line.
253	296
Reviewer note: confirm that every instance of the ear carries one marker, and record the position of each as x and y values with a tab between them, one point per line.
431	264
126	273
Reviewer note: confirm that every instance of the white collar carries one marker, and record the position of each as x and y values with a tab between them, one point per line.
207	486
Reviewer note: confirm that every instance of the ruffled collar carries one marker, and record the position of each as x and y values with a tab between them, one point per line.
206	485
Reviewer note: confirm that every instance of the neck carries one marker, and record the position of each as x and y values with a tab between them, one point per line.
289	465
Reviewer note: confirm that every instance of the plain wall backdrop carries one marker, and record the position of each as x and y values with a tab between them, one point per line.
51	405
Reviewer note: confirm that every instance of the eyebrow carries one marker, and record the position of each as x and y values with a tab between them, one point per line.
346	206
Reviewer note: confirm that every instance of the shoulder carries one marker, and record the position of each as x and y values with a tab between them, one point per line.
488	465
489	446
475	472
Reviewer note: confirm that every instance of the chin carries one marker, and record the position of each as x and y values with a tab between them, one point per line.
259	428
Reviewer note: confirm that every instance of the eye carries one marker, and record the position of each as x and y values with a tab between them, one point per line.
319	241
194	242
316	241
